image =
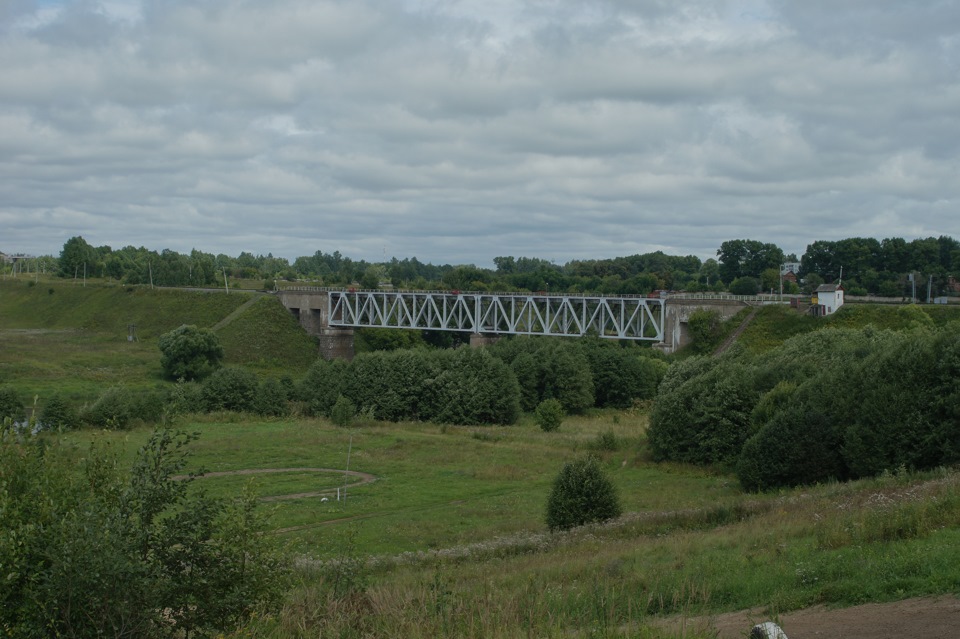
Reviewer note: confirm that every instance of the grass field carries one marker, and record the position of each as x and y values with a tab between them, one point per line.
450	539
436	486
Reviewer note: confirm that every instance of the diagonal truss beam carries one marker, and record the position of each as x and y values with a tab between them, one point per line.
632	318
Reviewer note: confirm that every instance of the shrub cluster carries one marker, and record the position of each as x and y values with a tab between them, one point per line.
91	549
465	386
832	404
580	373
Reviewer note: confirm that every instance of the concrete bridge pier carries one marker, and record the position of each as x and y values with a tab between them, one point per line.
311	308
677	313
483	339
335	343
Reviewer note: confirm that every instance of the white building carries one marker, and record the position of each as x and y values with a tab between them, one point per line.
827	299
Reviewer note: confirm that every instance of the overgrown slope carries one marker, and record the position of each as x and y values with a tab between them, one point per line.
73	340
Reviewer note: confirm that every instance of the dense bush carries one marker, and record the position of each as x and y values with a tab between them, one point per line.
795	447
706	419
705	328
11	406
113	409
473	387
832	404
230	388
343	412
322	385
89	550
549	368
549	415
622	376
58	415
271	399
190	352
581	494
185	397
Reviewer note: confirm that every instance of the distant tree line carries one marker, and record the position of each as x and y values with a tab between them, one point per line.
743	266
833	404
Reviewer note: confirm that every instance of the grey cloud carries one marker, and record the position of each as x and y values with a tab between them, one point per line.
459	131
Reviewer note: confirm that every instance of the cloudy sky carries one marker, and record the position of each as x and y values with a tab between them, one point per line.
460	130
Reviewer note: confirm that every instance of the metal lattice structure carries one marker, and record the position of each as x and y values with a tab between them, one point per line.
632	318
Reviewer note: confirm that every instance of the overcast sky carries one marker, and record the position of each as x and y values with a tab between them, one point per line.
460	130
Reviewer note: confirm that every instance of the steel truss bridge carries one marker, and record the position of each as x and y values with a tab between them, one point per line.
631	318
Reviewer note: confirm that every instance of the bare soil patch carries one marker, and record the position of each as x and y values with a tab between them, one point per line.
918	618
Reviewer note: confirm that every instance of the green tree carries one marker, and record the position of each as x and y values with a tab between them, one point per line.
11	406
704	326
747	258
473	387
745	286
549	415
271	398
322	385
78	258
343	412
58	415
190	353
231	388
89	550
581	494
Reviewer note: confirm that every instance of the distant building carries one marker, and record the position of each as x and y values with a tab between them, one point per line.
827	299
790	267
4	258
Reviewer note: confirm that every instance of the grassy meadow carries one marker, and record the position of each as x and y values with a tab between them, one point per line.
449	539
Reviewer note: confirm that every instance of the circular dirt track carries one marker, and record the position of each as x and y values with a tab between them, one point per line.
919	618
360	479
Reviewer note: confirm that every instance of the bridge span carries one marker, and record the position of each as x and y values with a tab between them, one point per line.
332	314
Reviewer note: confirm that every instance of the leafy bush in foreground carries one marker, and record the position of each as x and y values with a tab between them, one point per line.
90	550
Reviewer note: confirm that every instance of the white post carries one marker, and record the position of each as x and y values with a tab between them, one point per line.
346	474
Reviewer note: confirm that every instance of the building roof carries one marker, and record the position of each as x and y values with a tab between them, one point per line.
829	288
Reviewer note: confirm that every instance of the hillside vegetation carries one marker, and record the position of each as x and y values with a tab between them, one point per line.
72	340
773	325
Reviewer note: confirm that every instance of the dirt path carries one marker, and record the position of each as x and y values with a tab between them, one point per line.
360	479
919	618
727	343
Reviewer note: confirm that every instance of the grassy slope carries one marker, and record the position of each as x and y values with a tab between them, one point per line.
464	509
267	337
64	337
773	325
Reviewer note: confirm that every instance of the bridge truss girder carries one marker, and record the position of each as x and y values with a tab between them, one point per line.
631	318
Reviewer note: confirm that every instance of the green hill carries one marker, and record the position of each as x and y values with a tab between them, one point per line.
773	325
74	340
